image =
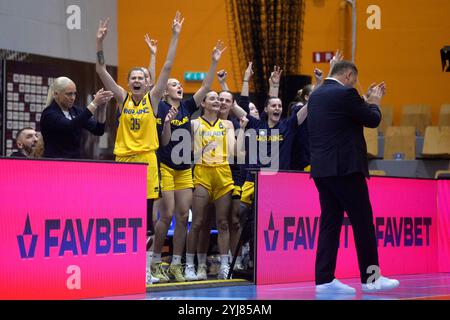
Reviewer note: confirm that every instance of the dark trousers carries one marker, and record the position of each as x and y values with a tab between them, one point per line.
349	194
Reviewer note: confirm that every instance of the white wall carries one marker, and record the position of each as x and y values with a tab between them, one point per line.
39	27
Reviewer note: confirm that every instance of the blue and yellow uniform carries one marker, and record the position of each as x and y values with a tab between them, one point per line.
176	175
137	139
282	134
236	168
300	155
212	171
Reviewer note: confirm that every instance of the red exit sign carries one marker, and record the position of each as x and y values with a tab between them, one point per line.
321	57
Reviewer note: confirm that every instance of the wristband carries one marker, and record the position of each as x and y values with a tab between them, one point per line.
100	57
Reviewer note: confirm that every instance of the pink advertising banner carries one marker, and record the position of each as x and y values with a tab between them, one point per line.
71	230
405	218
444	225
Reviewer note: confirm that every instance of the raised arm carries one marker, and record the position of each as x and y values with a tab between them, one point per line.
318	76
231	140
152	46
240	140
302	114
238	111
336	58
206	84
274	81
100	66
245	82
366	112
158	90
222	78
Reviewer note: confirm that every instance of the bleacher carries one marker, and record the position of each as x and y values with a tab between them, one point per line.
416	148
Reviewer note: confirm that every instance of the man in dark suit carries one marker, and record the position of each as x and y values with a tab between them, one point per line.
336	117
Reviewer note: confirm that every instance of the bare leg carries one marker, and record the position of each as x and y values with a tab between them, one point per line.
203	244
183	202
205	233
234	224
162	226
199	203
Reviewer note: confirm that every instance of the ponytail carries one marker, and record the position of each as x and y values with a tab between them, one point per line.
50	94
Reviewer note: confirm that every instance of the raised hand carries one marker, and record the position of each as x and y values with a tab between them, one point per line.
222	76
171	115
370	89
275	76
377	94
336	58
218	50
102	97
151	43
382	87
177	22
373	86
102	29
248	72
318	75
243	122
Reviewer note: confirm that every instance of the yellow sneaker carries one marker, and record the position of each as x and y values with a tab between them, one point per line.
159	272
202	272
176	270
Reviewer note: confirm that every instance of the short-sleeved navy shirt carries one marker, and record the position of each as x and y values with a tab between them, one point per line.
182	121
282	133
300	154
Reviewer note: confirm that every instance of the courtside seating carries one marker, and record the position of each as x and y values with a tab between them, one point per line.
436	142
444	115
418	116
400	140
387	117
377	172
442	174
371	136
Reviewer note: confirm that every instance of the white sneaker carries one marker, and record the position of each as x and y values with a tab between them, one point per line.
223	272
202	272
149	279
382	283
335	286
189	273
238	267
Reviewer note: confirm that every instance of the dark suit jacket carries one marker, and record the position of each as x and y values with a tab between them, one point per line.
62	137
336	117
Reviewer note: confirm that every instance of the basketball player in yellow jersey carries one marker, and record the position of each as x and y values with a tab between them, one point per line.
137	139
214	142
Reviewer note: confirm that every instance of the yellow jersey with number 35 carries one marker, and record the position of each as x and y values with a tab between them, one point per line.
137	128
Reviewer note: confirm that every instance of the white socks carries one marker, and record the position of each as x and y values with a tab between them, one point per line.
190	259
156	258
149	259
223	260
201	257
176	260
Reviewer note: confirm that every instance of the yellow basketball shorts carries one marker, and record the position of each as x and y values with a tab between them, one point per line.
237	191
152	170
217	180
172	179
248	192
